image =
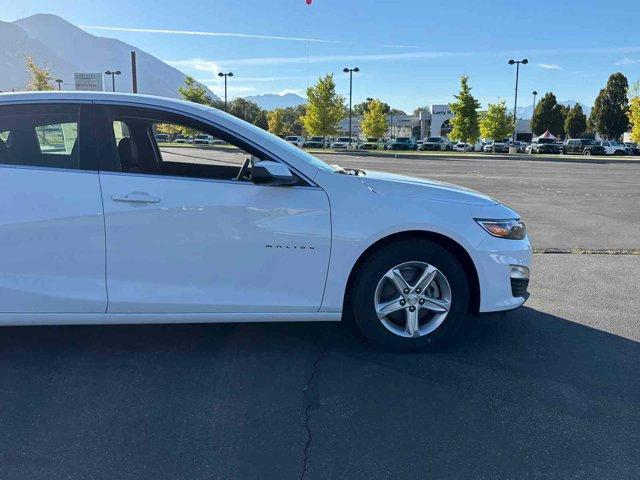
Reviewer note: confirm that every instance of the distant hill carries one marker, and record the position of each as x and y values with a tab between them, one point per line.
527	112
66	49
271	101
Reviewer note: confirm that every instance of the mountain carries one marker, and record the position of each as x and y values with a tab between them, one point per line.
527	112
271	101
66	49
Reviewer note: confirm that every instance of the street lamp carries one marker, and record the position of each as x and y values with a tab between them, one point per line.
113	78
225	75
59	82
535	94
515	103
350	71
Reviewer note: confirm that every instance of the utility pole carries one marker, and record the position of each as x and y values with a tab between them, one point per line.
113	78
134	72
350	71
225	75
515	104
59	82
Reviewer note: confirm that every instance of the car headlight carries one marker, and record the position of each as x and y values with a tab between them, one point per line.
509	229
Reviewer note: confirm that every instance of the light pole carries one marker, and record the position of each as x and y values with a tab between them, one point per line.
113	78
515	103
59	82
225	75
350	72
535	94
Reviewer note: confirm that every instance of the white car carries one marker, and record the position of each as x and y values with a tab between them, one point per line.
342	142
203	140
295	140
461	147
613	147
99	225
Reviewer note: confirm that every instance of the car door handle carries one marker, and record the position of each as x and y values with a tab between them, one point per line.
135	197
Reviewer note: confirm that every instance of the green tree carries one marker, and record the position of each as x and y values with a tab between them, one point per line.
244	109
193	91
634	112
40	77
360	108
374	121
610	111
293	119
276	122
325	108
465	125
576	122
262	120
548	116
496	123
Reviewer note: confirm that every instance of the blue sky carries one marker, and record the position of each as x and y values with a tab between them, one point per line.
411	53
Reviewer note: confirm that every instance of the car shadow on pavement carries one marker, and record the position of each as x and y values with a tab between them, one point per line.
530	395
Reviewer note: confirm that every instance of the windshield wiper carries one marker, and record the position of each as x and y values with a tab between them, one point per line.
349	171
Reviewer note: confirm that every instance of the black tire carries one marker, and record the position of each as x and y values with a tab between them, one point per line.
587	152
618	152
365	283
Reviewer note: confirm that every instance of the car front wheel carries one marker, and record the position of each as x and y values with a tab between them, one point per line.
410	295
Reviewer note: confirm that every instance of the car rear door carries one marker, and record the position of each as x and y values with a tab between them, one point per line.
51	219
184	236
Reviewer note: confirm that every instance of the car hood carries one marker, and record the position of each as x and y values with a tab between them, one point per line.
391	184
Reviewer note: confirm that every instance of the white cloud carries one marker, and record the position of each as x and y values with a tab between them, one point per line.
628	61
295	91
549	66
208	34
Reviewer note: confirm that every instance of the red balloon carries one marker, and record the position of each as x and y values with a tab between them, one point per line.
308	2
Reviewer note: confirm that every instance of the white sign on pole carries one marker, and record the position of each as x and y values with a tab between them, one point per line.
89	82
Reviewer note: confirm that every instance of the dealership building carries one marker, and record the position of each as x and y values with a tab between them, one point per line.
433	121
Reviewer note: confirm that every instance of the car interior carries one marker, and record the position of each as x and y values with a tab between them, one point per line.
137	151
40	141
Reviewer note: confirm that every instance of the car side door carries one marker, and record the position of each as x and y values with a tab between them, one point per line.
188	231
51	221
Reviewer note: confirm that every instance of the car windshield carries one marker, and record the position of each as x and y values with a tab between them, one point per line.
372	139
344	139
403	140
546	140
291	138
316	139
433	139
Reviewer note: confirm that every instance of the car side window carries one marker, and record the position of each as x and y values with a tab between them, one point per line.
40	136
147	141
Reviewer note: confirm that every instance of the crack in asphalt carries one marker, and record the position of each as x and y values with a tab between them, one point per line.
587	251
306	391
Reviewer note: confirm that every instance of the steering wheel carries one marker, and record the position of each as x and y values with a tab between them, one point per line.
244	169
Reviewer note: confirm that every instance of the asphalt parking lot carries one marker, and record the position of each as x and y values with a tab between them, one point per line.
548	391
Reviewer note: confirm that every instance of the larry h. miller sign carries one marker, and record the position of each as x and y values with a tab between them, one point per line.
91	82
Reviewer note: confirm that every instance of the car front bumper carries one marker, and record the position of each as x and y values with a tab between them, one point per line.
503	270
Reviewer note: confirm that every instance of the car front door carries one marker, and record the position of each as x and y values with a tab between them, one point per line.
51	221
186	232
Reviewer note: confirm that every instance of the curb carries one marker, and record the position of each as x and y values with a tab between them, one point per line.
523	158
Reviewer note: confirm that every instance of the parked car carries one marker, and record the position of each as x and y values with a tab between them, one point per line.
162	137
278	231
314	142
437	144
497	147
419	144
460	147
544	145
371	143
402	143
295	140
612	147
183	139
582	146
342	142
203	140
634	148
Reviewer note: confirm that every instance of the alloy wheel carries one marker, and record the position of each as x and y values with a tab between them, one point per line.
412	299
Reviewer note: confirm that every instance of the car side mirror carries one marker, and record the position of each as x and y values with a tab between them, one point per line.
268	172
